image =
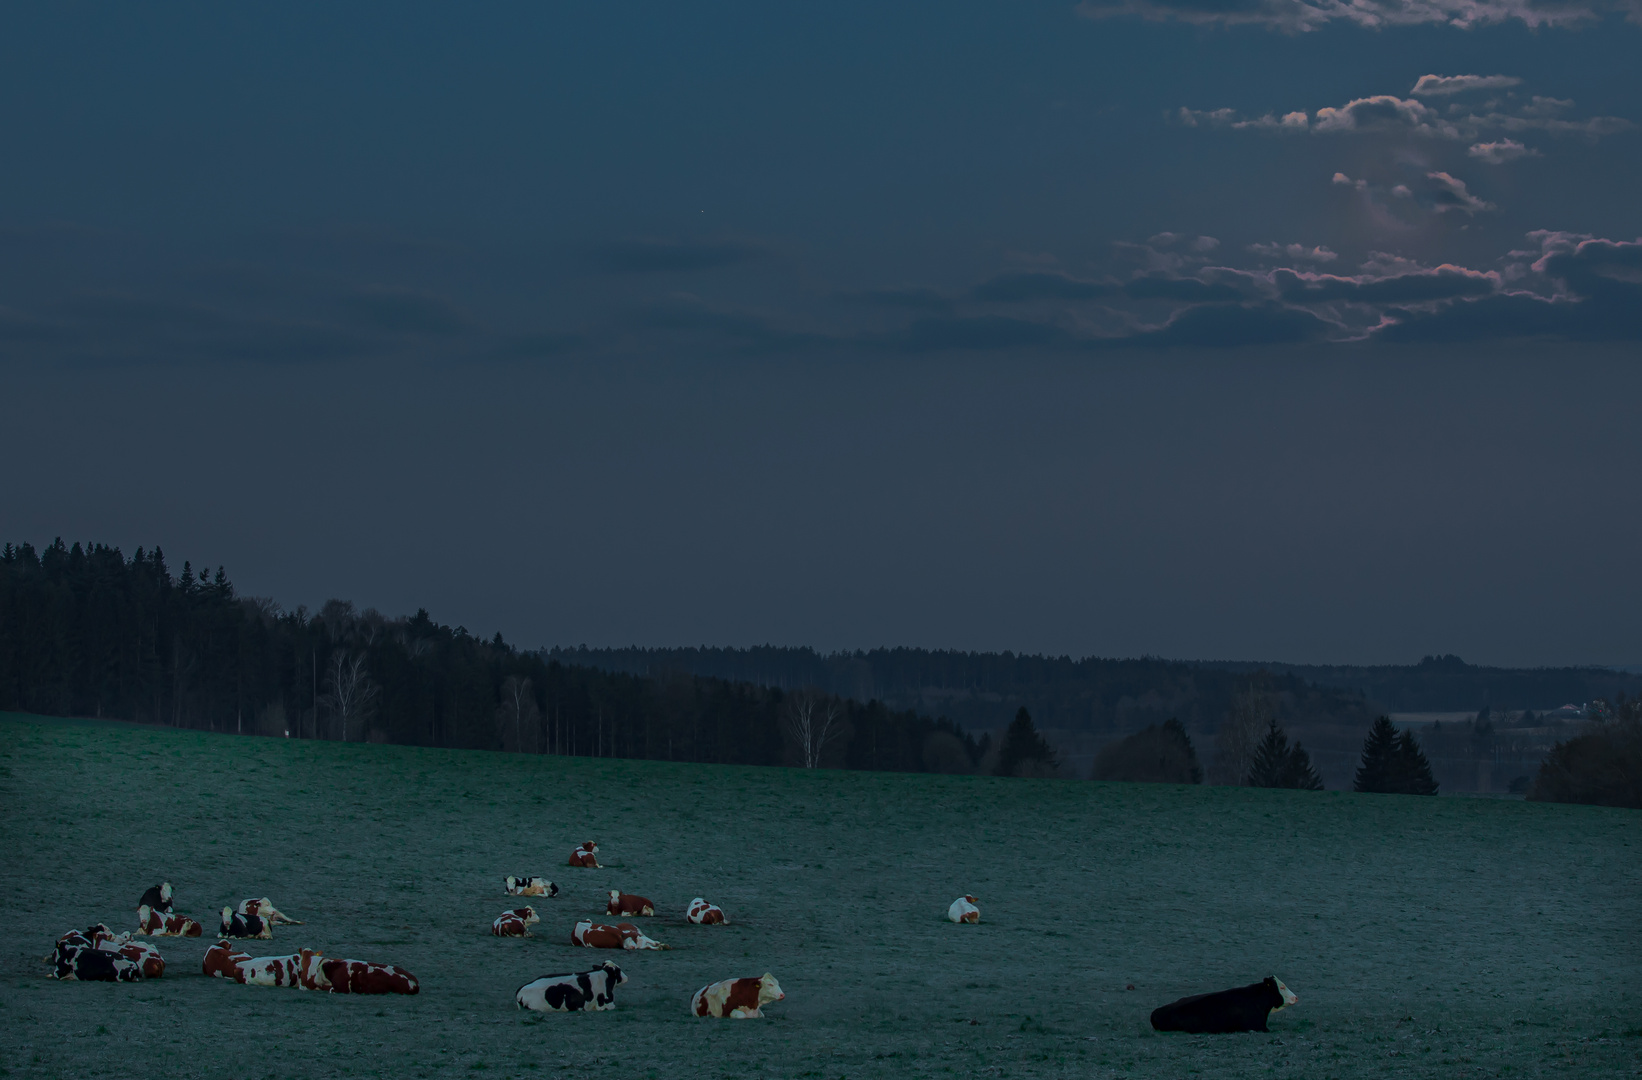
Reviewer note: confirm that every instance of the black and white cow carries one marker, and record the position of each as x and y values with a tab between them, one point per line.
588	990
1242	1009
530	886
157	898
237	925
95	956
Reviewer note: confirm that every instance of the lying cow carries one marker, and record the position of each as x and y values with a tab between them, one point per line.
737	999
97	965
592	991
264	909
531	886
66	964
304	970
628	904
604	936
363	977
1242	1009
963	910
165	924
702	913
222	961
515	923
158	897
236	925
587	855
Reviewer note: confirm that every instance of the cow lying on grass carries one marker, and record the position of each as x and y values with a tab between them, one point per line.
515	923
165	924
531	886
1225	1011
236	925
963	910
702	913
138	959
737	999
157	897
603	936
308	970
628	904
588	990
586	855
264	909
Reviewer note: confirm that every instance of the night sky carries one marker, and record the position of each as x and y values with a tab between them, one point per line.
1231	329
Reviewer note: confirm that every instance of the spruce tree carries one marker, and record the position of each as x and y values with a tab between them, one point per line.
1024	749
1278	765
1410	772
1374	774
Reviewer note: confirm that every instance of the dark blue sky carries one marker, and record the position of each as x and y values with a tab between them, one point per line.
1256	330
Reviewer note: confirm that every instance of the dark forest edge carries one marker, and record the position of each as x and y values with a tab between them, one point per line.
86	632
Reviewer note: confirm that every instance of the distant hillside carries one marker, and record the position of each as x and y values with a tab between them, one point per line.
1449	684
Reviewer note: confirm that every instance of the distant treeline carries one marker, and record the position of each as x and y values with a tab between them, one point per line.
982	691
85	631
1449	684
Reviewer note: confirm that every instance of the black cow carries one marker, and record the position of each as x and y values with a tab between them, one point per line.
158	898
1225	1011
236	925
591	990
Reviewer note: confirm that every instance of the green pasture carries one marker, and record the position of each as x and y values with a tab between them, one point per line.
1425	937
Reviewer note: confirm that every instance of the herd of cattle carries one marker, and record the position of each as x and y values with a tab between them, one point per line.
99	954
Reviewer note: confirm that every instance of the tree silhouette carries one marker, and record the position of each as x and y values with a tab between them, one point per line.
1393	763
1277	765
1025	751
1158	755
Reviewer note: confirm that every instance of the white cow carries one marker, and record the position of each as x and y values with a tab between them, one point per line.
963	910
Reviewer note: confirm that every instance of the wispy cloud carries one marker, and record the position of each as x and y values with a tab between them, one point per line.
1498	153
1439	85
1299	16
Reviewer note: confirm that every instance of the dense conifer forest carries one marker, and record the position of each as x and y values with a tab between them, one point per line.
87	631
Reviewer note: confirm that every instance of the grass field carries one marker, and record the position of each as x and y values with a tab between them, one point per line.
1414	951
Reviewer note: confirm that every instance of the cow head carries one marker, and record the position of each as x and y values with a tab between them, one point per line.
613	972
971	899
552	889
526	914
768	989
165	892
1284	994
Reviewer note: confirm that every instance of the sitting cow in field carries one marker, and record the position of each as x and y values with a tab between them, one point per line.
702	913
592	991
264	909
66	960
531	886
235	925
158	897
515	923
737	999
628	904
363	977
1225	1011
160	924
963	910
604	936
587	855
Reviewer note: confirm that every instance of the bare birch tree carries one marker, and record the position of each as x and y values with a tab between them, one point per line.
350	693
518	711
813	722
1239	736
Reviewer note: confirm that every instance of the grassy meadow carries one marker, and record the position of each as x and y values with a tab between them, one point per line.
1425	937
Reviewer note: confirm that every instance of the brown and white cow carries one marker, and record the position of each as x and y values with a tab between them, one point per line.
530	886
264	909
160	924
963	910
604	936
236	925
515	923
141	953
363	977
702	913
223	961
737	999
303	970
587	855
628	904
